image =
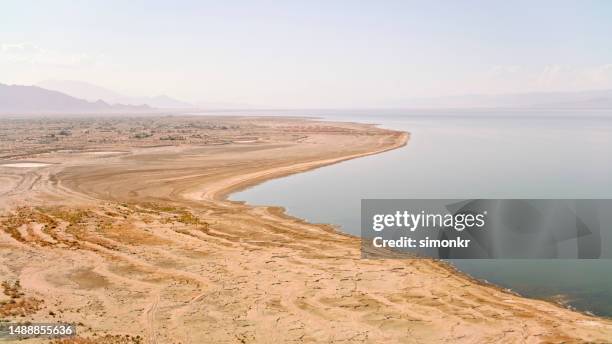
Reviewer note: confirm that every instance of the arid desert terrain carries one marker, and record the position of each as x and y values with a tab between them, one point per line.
120	225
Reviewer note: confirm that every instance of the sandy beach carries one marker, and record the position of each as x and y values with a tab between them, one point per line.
138	244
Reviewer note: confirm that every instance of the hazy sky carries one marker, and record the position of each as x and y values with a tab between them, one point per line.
310	53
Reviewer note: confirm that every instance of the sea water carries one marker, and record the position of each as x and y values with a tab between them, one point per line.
502	153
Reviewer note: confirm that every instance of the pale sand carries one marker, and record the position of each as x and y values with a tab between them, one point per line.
146	245
24	164
105	152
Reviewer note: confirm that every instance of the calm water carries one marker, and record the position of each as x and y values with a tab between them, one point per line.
472	154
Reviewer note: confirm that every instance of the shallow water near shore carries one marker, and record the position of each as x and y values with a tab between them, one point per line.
472	154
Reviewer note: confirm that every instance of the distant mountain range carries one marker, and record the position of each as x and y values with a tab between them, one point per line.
91	92
600	99
76	96
17	99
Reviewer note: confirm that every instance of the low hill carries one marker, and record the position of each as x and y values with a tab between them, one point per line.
91	92
18	99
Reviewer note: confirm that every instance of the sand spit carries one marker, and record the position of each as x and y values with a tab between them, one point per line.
143	248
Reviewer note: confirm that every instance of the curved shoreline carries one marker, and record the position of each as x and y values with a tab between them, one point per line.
126	226
219	193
